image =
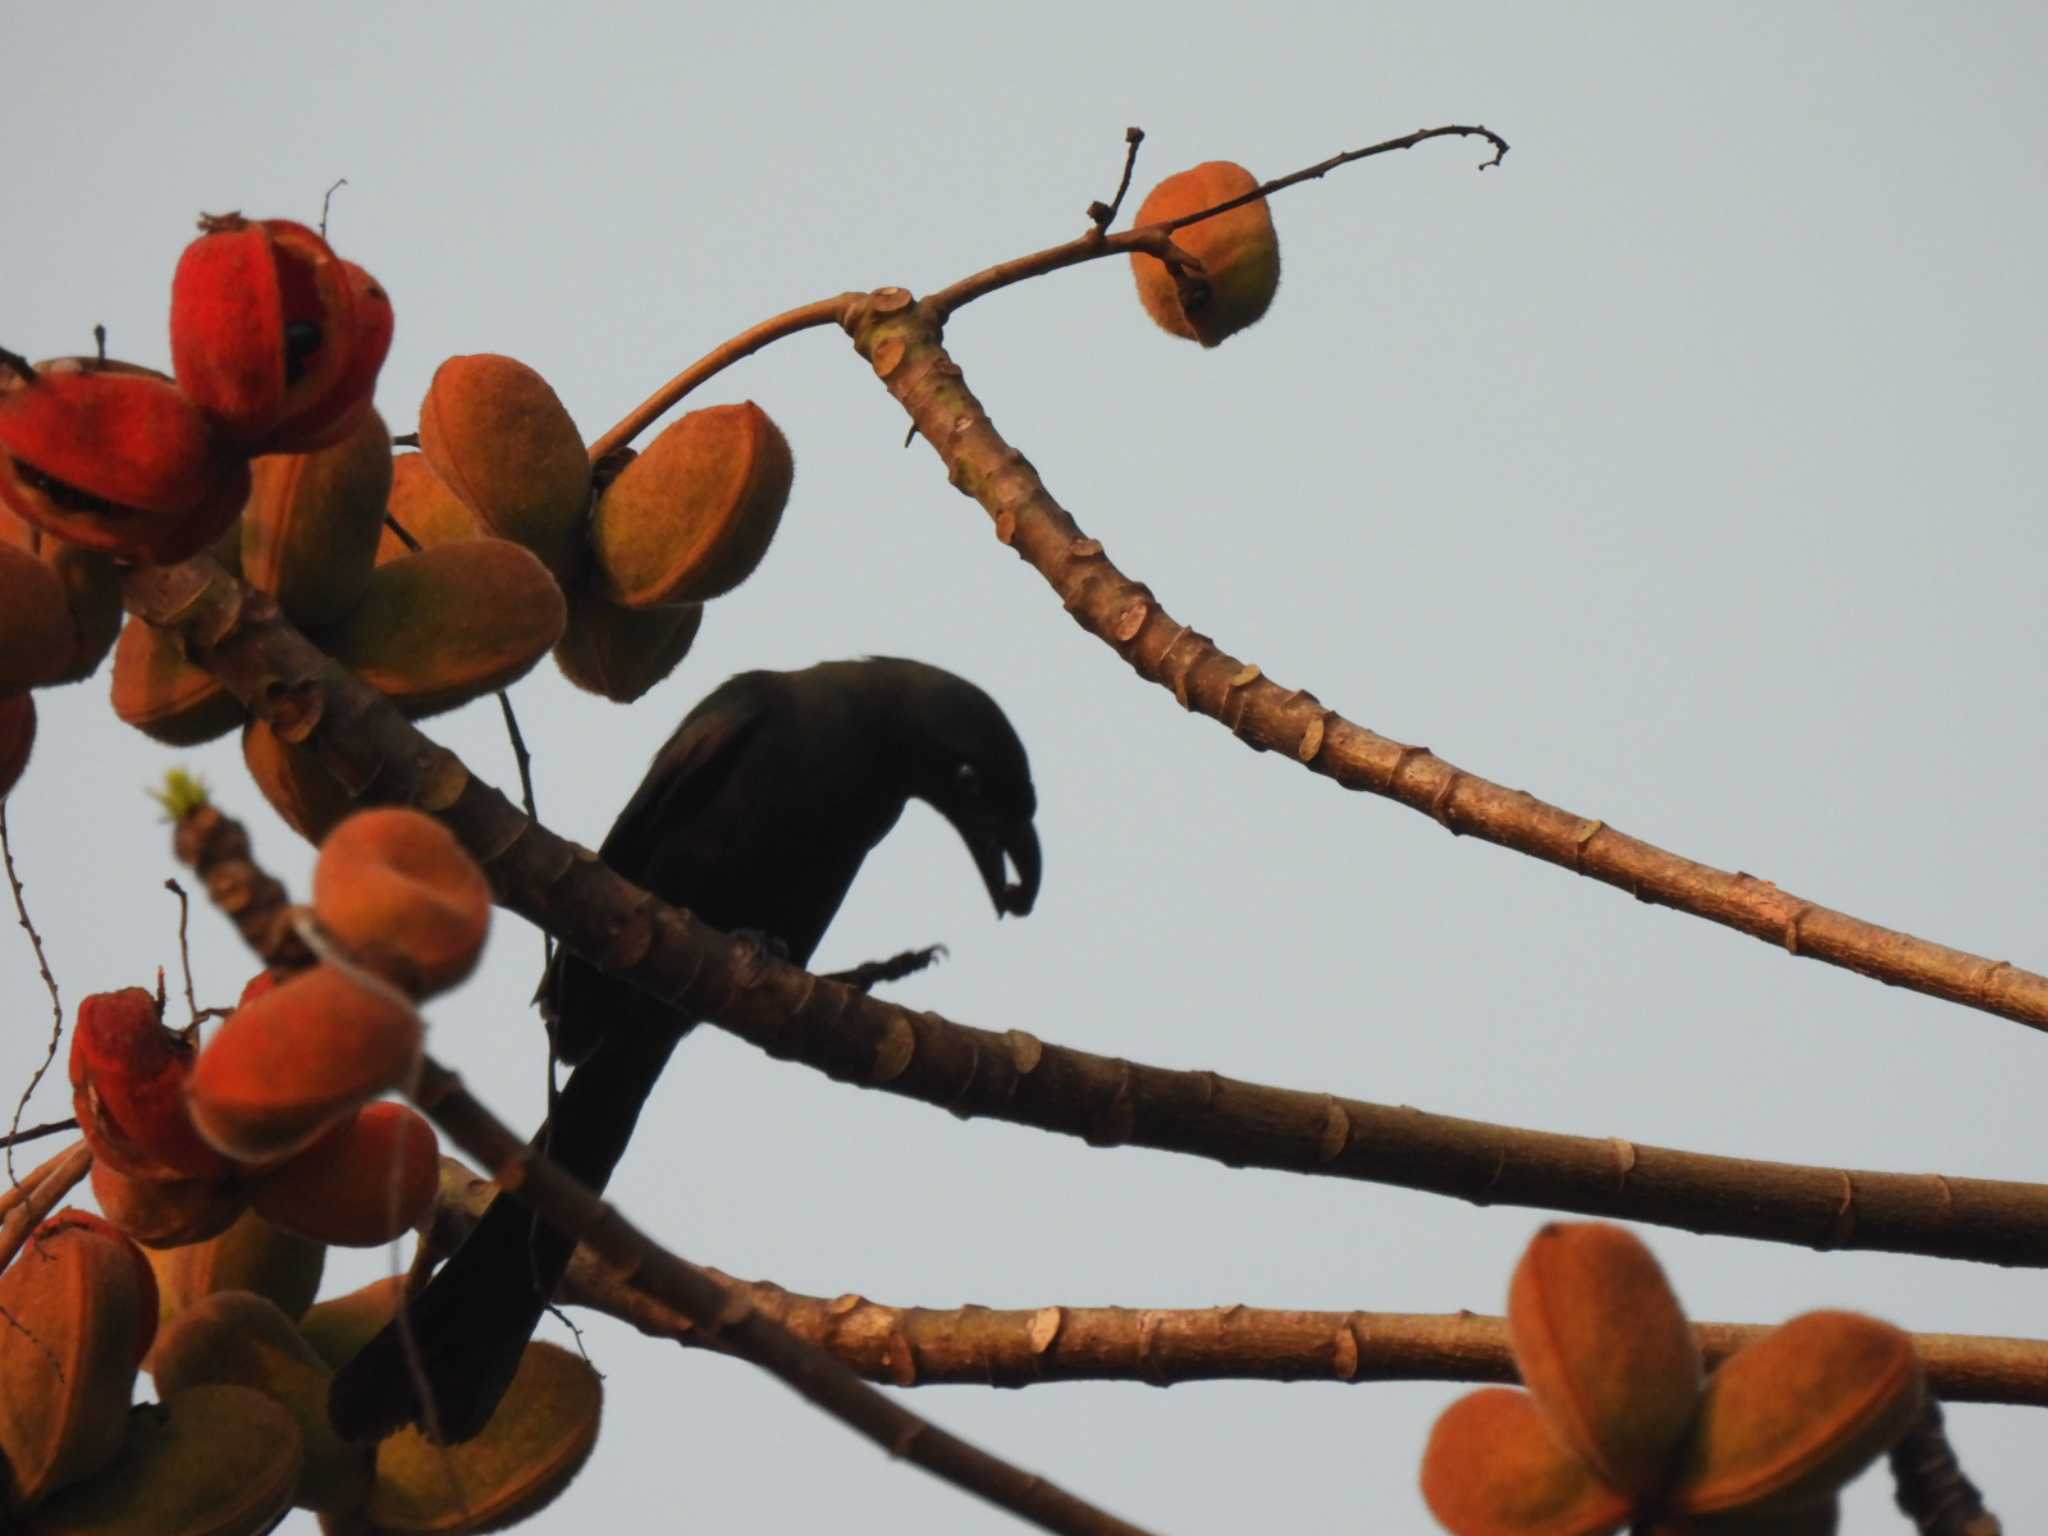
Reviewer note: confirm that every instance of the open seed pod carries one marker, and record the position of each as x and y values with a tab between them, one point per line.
1789	1419
241	1338
289	1065
17	736
167	1213
310	530
349	401
498	435
365	1183
397	888
92	591
113	457
622	652
298	786
80	1310
1238	250
252	1254
689	519
163	694
210	1461
1493	1468
539	1439
450	624
128	1076
264	332
421	503
339	1328
1605	1350
37	642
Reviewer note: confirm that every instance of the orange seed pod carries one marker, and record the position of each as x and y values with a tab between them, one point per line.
398	889
1493	1468
620	653
128	1077
310	530
1238	250
163	694
365	1183
421	503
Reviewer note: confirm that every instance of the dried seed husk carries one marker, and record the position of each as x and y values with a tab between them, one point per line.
128	1077
365	1183
240	1338
499	437
622	652
338	1328
421	503
310	530
17	737
79	1307
395	886
444	626
298	786
167	1213
1605	1350
113	457
164	694
252	1254
538	1440
690	518
1788	1420
37	641
212	1461
262	329
1238	250
1493	1468
289	1065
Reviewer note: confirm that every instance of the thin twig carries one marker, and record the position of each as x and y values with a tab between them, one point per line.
241	636
28	1202
403	536
37	1132
1102	215
185	956
1932	1489
803	318
327	201
49	981
1156	239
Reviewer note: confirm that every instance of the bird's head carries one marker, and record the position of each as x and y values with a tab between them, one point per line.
966	762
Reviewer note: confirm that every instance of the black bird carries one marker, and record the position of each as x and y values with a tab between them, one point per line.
756	816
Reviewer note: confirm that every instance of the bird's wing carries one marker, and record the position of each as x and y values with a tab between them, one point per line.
688	771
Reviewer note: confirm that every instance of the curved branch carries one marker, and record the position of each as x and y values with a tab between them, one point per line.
239	635
902	339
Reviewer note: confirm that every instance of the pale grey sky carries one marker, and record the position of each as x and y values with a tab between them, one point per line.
1678	471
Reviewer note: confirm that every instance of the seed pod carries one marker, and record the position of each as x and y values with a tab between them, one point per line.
37	643
339	1328
1605	1350
1238	250
211	1461
398	889
1493	1468
301	1057
365	1183
17	737
310	531
1789	1419
538	1440
622	652
92	591
79	1305
167	1213
421	504
242	1339
689	519
115	458
160	692
251	1255
128	1077
263	331
497	434
295	782
343	411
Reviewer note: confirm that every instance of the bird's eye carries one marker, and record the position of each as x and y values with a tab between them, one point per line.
967	779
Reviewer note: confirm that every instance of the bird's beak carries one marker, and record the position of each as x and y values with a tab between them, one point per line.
991	845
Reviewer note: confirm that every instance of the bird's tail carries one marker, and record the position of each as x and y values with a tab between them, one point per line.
470	1326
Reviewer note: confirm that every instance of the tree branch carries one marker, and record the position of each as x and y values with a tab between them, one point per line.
239	635
902	339
1932	1488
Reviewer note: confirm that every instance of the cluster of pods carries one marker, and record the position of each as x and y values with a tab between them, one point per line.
437	576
